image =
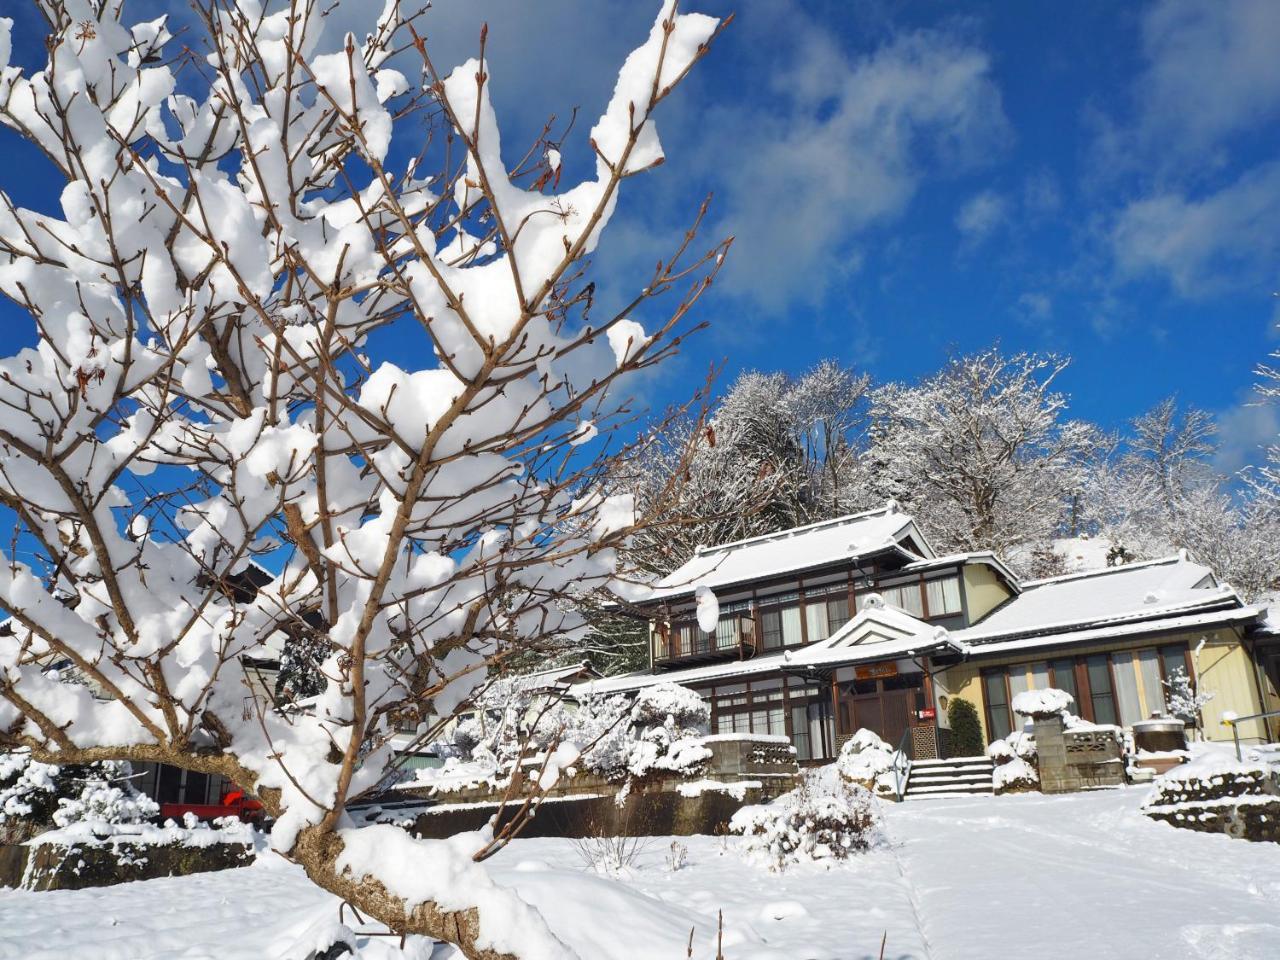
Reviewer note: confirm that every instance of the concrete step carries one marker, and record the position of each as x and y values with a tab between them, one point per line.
943	796
945	788
954	762
981	776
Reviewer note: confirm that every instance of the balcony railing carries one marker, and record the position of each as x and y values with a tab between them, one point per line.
735	633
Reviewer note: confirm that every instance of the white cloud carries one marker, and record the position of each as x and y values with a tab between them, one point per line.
1035	307
1202	242
844	147
980	215
1245	431
1213	70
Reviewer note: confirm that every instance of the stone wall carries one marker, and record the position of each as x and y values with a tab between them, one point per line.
52	866
1076	760
742	770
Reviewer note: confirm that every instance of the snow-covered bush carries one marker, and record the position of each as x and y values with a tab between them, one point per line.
672	706
1042	704
816	821
1014	775
867	761
1016	764
37	796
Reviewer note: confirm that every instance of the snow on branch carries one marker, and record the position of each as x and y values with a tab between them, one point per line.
209	464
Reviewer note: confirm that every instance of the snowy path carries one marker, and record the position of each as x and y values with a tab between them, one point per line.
1083	876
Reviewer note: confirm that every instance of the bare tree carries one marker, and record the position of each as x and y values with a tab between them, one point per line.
241	213
980	451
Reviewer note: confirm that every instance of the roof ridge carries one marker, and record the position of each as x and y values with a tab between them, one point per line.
890	507
1181	555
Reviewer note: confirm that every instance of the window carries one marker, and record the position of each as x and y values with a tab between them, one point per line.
943	596
999	723
1101	697
1172	659
1063	677
1126	688
1153	693
815	619
791	632
780	621
905	597
837	612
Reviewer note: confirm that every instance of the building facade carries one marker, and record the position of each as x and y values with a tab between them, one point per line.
856	622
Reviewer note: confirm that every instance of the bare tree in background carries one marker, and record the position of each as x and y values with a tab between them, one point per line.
981	451
240	215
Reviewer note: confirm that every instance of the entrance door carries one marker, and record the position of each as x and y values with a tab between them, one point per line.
884	706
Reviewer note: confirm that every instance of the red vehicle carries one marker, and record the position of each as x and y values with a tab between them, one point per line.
234	803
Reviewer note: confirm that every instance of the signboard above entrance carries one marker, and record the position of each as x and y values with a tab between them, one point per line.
876	671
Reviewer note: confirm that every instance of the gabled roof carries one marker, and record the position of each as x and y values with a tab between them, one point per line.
792	551
984	557
878	631
1131	593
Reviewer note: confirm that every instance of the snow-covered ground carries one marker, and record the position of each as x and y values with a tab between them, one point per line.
1080	876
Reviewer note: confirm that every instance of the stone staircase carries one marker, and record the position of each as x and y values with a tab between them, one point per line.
957	777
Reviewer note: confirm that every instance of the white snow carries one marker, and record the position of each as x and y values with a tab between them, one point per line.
779	553
1042	703
708	609
1054	878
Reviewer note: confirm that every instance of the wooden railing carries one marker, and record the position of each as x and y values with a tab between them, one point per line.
736	633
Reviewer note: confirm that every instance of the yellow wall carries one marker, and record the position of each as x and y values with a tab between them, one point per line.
983	590
1225	668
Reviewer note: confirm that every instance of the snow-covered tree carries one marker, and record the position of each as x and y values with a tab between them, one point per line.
980	452
1185	700
1157	491
242	211
37	796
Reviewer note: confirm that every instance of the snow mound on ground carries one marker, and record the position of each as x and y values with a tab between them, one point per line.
813	822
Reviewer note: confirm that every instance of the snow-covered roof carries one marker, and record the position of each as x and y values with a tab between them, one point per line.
875	633
1206	619
790	551
1135	592
985	557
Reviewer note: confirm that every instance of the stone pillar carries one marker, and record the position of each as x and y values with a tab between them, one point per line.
1051	753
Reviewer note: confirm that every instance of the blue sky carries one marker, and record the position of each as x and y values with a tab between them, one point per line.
904	179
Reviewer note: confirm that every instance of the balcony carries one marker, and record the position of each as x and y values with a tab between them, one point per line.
735	635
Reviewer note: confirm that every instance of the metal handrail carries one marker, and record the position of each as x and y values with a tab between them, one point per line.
1234	722
901	765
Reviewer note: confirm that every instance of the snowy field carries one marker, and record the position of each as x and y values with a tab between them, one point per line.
1080	876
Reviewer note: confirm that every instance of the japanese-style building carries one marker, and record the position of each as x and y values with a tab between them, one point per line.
856	622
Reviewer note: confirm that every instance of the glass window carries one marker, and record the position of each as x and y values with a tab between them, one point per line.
944	596
1152	689
1173	658
791	634
1063	673
1126	674
1039	676
800	733
1018	683
837	612
1100	694
905	597
727	632
771	628
999	724
815	618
